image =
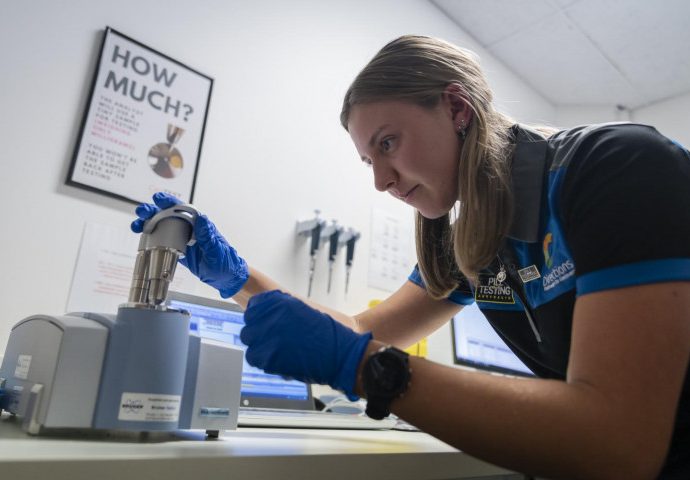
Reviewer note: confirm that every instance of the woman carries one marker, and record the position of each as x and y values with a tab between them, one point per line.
575	245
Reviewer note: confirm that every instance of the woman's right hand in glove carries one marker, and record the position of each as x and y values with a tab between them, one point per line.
211	258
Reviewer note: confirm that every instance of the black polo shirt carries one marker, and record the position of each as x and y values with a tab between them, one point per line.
597	207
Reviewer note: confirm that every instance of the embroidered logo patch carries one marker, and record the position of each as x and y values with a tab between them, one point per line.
528	274
492	291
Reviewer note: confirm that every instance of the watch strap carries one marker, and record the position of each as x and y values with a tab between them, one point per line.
378	402
378	408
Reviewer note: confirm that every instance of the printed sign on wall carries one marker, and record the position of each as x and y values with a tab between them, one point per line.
392	253
144	124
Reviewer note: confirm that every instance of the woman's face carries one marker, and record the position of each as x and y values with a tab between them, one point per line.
414	152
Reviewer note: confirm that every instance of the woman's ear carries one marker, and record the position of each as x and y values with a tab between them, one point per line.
458	106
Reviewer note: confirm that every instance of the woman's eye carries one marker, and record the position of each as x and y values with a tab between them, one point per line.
367	162
387	144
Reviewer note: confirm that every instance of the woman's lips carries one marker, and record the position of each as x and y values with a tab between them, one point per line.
406	198
402	196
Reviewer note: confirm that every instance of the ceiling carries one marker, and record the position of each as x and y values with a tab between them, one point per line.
586	52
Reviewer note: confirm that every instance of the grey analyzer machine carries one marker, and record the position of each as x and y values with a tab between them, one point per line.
138	370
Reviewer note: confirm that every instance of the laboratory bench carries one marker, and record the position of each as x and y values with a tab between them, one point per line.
251	453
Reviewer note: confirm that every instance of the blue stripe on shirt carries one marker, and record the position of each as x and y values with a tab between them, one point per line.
640	273
455	296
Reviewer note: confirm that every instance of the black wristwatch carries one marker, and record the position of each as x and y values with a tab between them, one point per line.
385	377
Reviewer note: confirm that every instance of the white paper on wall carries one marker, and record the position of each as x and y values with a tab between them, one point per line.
391	254
103	272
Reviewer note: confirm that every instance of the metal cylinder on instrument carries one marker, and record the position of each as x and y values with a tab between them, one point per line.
165	237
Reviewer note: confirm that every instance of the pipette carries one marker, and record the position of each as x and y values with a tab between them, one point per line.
348	258
312	229
335	241
314	247
332	252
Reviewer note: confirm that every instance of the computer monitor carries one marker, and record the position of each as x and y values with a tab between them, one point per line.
222	321
476	344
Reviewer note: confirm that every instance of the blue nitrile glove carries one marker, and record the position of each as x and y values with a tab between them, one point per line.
211	258
286	336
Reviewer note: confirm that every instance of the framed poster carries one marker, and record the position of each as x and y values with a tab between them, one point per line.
144	124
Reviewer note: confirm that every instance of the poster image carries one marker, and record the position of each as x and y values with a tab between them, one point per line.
144	124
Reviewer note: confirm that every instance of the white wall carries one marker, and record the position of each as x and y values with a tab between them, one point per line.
573	115
671	116
273	149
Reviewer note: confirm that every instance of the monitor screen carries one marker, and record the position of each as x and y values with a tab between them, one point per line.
224	325
476	344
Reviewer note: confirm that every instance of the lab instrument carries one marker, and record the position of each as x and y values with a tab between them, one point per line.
138	370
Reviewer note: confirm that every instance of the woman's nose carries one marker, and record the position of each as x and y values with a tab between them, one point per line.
385	177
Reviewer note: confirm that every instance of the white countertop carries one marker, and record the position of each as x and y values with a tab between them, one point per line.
255	453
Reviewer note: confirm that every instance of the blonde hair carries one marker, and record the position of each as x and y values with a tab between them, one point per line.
418	69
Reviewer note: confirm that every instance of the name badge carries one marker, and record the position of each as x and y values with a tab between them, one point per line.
528	274
490	290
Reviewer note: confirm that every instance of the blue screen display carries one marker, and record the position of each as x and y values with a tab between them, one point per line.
477	344
224	326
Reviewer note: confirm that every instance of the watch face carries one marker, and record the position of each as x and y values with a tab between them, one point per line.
394	373
387	374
